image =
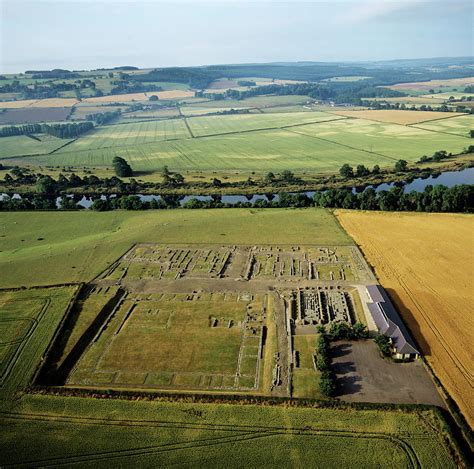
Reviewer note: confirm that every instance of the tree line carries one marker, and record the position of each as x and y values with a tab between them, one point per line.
67	130
437	198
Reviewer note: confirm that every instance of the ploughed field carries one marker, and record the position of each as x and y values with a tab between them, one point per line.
277	133
426	263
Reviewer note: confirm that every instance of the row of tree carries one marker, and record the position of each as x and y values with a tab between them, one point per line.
66	130
437	198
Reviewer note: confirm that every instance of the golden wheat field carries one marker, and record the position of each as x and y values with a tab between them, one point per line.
48	102
426	263
396	116
128	97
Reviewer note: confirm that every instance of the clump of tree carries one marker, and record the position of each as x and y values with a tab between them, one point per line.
102	118
327	386
172	179
344	331
121	167
384	344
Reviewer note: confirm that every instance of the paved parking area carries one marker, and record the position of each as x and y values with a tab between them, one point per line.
362	375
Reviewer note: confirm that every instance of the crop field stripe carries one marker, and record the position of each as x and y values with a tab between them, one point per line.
344	145
246	432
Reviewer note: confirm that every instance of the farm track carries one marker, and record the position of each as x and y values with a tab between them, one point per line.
240	433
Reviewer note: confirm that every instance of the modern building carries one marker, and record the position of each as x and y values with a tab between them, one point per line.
390	324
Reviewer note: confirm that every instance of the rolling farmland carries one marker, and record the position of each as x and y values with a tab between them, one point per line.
308	140
415	257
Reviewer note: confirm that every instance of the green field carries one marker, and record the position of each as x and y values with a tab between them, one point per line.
180	347
89	432
315	141
54	247
133	134
218	125
23	145
28	320
457	126
390	140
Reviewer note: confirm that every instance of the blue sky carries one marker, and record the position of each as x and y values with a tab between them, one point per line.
83	34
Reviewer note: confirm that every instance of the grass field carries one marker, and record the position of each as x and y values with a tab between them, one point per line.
426	263
48	102
23	145
218	125
185	343
28	320
83	432
54	247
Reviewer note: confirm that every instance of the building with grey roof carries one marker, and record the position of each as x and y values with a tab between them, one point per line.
390	324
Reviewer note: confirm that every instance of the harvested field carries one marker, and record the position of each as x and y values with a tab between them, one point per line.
130	97
425	263
433	84
117	98
32	115
395	116
174	94
42	103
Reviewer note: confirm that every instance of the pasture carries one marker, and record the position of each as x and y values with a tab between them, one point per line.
451	83
43	248
104	432
415	257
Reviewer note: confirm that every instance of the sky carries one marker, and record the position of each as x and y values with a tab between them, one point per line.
86	34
